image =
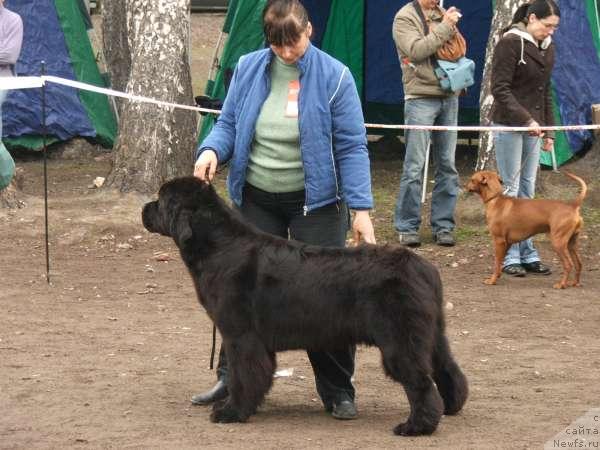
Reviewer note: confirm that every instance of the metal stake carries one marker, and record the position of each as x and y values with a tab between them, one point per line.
44	132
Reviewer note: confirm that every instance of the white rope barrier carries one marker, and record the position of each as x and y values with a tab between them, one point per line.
33	82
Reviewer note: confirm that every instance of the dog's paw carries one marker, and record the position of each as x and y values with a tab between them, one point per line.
226	414
489	281
409	428
560	286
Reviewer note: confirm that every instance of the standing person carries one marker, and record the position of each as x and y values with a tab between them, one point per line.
426	104
521	69
293	130
11	39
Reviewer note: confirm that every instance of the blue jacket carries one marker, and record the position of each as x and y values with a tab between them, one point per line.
333	140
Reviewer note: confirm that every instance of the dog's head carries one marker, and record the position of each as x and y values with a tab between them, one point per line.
180	202
484	182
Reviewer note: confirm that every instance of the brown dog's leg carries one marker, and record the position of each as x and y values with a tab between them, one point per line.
574	251
500	247
560	246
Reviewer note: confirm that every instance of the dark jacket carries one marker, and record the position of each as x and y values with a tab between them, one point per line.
521	73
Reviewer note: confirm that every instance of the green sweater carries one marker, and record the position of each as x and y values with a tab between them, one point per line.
275	163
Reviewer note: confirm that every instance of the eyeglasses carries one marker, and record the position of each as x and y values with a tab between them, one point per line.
549	26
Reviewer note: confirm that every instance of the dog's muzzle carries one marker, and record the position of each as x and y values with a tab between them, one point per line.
149	213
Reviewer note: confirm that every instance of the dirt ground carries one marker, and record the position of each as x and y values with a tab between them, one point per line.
108	354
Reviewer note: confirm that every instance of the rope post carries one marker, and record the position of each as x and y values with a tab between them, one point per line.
554	164
44	132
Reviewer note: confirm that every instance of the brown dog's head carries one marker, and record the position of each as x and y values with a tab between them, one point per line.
485	182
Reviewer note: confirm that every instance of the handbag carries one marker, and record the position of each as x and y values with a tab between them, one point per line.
453	49
455	75
453	70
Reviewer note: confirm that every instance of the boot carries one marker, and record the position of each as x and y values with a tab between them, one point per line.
218	392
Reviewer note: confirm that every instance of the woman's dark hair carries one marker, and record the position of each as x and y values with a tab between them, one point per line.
284	21
541	9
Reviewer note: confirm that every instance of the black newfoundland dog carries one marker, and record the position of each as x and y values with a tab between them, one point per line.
266	295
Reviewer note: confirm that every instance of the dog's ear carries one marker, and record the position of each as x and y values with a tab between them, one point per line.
181	229
483	179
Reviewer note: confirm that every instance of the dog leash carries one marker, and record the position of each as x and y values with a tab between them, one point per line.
214	344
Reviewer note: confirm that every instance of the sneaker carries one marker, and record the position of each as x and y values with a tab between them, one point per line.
514	270
409	239
445	239
536	268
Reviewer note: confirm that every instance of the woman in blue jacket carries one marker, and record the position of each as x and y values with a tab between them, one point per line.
293	132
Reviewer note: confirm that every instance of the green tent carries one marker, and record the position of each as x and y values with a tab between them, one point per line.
56	32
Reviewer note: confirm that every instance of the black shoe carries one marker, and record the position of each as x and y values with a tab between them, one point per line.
445	239
409	239
218	392
344	410
515	270
537	268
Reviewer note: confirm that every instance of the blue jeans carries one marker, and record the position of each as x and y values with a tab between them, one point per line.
513	150
428	111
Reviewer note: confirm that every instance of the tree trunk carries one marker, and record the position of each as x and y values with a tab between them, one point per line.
155	142
115	44
503	14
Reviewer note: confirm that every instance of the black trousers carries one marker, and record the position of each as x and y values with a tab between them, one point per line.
283	215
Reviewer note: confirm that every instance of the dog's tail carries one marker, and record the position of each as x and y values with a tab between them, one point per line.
579	200
451	382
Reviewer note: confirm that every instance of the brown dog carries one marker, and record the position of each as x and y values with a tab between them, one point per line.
512	220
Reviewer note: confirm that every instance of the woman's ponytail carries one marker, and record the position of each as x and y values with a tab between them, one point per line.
521	13
541	9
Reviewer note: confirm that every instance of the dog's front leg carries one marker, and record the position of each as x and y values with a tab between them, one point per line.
500	248
251	369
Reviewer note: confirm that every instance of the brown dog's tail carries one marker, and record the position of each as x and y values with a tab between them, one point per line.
579	200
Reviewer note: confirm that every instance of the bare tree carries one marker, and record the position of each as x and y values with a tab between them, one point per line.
155	143
503	14
115	44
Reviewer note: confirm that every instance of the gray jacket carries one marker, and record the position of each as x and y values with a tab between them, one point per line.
415	50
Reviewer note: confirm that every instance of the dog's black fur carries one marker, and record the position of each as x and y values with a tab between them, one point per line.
266	294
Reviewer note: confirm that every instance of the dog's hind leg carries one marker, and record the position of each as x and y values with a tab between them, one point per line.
560	245
574	251
426	405
451	382
251	369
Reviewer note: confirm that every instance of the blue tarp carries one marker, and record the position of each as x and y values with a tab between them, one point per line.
576	89
65	115
318	10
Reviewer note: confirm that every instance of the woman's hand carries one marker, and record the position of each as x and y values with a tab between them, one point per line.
206	165
362	227
537	131
548	144
452	16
